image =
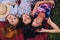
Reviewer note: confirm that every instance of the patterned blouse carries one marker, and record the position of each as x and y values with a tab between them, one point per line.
24	7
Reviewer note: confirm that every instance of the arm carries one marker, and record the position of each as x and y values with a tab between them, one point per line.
53	25
49	31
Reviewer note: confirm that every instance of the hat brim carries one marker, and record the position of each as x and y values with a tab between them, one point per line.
8	10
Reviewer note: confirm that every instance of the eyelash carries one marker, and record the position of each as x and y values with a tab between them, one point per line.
14	18
37	22
28	18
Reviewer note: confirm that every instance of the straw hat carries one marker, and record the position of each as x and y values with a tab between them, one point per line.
4	10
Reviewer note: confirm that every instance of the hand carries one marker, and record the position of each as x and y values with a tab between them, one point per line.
42	30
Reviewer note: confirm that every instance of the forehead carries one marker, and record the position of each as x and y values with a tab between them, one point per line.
10	16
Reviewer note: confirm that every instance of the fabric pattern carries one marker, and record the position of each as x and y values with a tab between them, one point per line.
45	8
24	7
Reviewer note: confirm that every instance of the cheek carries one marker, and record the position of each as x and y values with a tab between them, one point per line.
14	21
24	19
9	20
33	23
34	20
30	21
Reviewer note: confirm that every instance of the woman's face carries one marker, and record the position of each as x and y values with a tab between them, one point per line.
36	22
12	20
26	19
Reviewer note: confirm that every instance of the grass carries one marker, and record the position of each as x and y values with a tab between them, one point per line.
55	16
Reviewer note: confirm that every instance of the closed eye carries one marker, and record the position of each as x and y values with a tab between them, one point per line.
37	22
14	18
12	21
28	18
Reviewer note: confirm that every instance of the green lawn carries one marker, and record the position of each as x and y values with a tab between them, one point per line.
55	16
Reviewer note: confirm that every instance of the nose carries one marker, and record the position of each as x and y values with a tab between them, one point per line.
10	18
